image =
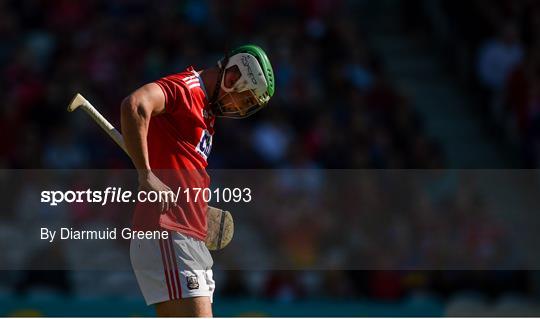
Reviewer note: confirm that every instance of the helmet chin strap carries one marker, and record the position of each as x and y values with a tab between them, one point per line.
213	104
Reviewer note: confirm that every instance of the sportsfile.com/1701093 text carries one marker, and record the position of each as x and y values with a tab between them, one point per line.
119	195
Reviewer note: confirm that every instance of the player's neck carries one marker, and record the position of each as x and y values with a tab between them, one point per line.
209	77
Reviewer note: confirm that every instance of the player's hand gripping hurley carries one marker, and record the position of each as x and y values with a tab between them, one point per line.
220	222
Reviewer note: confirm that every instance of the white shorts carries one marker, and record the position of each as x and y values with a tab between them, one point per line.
173	268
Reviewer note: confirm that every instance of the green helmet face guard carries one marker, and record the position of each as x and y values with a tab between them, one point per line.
257	78
228	105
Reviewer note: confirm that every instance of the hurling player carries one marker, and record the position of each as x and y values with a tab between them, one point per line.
168	127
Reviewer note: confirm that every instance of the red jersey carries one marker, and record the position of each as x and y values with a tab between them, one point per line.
179	142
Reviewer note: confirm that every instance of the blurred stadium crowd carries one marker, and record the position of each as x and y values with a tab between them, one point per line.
334	107
333	97
497	44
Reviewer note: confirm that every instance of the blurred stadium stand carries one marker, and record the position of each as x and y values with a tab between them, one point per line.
361	84
492	46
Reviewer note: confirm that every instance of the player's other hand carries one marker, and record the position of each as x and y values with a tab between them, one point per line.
149	182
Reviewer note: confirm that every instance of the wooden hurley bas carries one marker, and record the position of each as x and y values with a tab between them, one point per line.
220	228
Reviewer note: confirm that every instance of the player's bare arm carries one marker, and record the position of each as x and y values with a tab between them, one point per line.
136	111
